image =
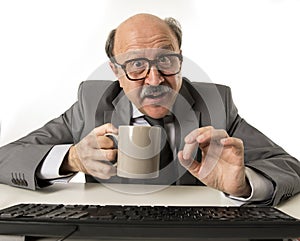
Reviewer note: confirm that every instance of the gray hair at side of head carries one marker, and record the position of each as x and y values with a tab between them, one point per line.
173	24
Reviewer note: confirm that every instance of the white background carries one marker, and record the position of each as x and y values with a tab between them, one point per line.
48	47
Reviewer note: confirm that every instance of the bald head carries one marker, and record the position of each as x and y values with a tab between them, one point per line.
141	18
144	31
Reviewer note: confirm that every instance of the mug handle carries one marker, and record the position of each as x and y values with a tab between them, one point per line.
114	138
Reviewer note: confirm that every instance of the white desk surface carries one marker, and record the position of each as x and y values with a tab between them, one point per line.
94	193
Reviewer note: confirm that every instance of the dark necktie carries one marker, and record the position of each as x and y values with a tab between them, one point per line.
166	154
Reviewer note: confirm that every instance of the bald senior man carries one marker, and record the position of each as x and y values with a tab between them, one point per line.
212	144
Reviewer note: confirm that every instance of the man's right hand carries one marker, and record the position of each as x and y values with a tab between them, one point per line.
88	155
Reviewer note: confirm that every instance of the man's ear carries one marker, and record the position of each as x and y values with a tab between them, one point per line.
114	68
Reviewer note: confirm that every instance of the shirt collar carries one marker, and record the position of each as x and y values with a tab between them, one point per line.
135	112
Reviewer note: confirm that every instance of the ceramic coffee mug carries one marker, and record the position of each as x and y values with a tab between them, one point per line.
138	151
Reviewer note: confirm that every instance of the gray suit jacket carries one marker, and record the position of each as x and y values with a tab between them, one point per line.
198	104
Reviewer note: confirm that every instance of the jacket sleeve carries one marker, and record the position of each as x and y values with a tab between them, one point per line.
264	156
20	159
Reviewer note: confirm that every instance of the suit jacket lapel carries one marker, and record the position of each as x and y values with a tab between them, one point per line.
113	107
123	110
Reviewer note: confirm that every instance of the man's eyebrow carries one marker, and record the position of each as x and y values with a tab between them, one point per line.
141	52
167	47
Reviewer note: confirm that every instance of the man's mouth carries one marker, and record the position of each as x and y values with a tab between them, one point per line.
155	95
157	99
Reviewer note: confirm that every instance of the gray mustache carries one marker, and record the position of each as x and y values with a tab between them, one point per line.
154	90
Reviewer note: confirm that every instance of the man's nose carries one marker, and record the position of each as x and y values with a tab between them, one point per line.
153	77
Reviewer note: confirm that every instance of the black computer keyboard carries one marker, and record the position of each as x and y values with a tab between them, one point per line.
157	222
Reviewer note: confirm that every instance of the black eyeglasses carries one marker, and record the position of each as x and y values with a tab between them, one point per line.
139	68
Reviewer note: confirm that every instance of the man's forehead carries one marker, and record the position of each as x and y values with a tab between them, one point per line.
145	53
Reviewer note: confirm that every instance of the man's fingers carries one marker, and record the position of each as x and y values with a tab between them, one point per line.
105	142
192	136
236	143
87	154
232	141
97	139
105	155
101	169
191	141
189	150
104	129
202	137
96	151
96	162
97	142
190	164
205	135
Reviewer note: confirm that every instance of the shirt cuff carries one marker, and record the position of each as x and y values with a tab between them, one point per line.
262	188
50	166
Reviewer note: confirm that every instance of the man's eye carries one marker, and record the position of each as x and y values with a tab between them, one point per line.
164	60
137	64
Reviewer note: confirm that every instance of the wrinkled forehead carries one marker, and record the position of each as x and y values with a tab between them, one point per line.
149	53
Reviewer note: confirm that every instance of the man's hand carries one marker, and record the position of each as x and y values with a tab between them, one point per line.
90	154
222	165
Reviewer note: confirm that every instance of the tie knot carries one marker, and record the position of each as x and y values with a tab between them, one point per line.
168	118
159	122
154	122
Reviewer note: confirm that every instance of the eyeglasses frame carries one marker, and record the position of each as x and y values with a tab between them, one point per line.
151	63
